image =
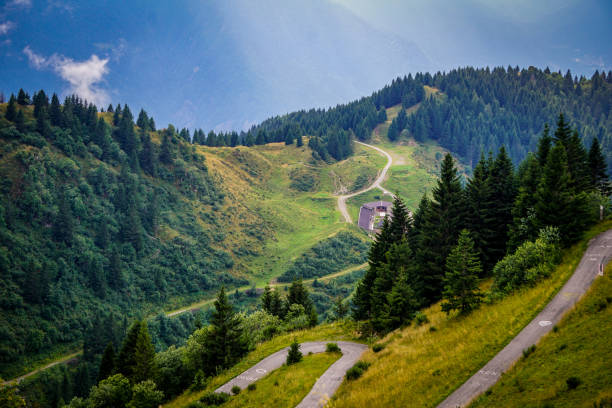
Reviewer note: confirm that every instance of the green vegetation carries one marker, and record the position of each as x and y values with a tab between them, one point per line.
286	386
328	256
570	367
433	363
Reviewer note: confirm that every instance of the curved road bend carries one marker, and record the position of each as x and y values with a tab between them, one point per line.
377	184
325	386
592	262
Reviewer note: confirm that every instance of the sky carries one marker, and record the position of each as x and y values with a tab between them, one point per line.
230	64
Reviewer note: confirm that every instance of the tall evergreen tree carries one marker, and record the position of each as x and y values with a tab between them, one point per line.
144	367
598	170
126	360
577	162
225	341
444	220
478	219
11	109
556	203
524	225
400	222
107	364
166	154
461	277
298	294
63	227
544	145
499	208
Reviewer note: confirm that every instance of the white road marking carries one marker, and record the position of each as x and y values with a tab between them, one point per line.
545	323
261	371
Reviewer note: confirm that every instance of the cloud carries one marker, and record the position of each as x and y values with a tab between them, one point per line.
21	3
6	27
83	76
116	51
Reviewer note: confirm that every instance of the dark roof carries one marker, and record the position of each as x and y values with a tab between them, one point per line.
375	204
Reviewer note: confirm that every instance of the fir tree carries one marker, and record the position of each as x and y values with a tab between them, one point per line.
556	204
144	367
400	222
544	145
478	197
23	98
577	161
126	360
20	121
563	132
148	158
300	141
11	109
461	278
55	111
294	355
598	170
443	221
524	223
107	364
225	341
63	227
298	294
143	120
166	154
266	300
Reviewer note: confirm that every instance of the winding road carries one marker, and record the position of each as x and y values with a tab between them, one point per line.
591	265
325	386
376	184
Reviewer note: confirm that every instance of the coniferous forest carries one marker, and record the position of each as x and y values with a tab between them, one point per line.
85	190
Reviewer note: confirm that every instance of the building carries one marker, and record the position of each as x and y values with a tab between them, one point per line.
371	215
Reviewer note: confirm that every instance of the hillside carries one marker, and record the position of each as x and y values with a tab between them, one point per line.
85	227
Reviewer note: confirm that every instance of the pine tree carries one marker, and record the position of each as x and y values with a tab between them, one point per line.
266	300
107	364
143	120
20	121
577	161
300	141
443	221
63	227
23	98
298	294
126	360
115	275
461	278
400	222
225	341
524	223
144	367
478	197
294	355
563	132
11	109
544	145
598	170
556	204
55	111
148	158
166	154
402	301
499	208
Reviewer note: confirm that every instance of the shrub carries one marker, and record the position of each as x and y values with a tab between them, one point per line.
420	318
332	348
530	262
378	347
213	398
573	382
357	370
294	355
236	390
252	387
529	350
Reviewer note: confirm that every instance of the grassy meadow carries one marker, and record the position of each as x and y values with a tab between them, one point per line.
421	365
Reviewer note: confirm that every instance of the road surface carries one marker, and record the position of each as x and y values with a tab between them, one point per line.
325	386
63	360
592	263
377	184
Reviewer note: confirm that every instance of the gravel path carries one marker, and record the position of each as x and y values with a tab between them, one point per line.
376	184
325	386
593	261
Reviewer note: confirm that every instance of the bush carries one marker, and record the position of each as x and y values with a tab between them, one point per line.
236	390
213	398
294	355
530	262
357	370
573	382
378	347
332	348
529	350
420	318
252	387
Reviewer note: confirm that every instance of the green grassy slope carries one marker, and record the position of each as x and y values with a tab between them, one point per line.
421	365
578	347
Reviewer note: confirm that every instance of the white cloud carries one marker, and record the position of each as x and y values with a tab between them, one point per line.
21	3
6	27
83	76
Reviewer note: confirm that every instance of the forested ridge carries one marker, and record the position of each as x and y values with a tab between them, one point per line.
97	218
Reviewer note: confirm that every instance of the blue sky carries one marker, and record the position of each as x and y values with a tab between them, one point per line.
229	64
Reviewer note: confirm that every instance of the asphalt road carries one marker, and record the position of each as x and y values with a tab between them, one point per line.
376	184
594	259
325	386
